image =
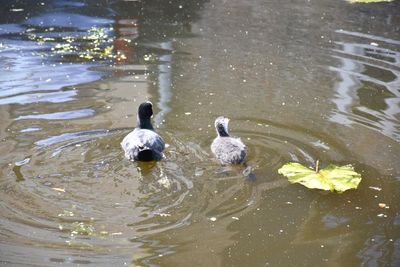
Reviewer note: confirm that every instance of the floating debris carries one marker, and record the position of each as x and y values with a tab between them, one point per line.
66	213
81	228
383	206
117	233
213	219
198	172
58	189
165	182
375	188
94	45
103	233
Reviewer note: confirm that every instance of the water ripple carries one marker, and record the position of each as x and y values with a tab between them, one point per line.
368	93
63	115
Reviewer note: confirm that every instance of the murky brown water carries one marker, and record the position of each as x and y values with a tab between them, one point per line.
300	80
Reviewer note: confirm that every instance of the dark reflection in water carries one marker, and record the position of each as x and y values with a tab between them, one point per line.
301	81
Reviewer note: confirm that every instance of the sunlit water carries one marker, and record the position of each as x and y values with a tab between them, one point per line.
300	81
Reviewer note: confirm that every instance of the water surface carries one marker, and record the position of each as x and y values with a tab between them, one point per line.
300	81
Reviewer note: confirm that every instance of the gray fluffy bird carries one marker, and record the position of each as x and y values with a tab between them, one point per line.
227	149
143	143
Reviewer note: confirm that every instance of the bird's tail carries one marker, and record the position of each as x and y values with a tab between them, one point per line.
145	154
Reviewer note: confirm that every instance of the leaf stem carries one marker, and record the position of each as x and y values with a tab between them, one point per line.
317	166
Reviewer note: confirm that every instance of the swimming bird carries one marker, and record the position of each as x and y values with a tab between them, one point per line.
227	149
143	143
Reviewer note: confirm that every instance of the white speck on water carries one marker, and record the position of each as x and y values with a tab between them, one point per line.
374	44
198	172
188	113
375	188
235	218
164	181
213	219
117	233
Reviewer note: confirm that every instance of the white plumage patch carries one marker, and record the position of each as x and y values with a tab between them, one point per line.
229	150
142	139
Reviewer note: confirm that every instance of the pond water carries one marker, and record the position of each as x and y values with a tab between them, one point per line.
300	80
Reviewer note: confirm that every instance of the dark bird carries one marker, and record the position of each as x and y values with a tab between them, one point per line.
143	143
227	149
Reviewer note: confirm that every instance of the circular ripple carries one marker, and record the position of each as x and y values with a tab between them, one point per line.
271	145
78	191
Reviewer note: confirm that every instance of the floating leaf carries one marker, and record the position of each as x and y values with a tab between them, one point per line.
332	178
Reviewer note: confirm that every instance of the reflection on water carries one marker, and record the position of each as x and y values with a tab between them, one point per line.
74	72
164	82
368	92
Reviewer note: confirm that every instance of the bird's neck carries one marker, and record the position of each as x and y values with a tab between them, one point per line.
222	131
144	124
